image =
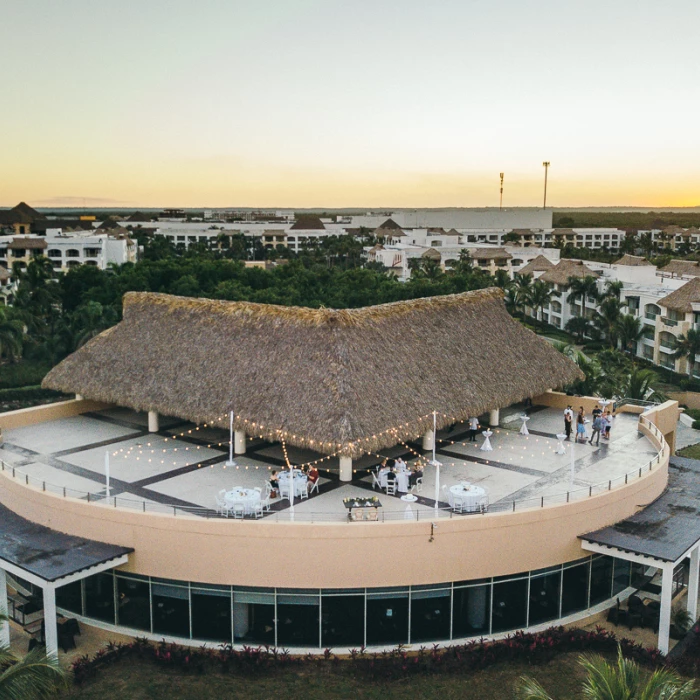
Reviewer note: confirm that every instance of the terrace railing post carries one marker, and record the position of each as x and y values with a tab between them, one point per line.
590	490
609	485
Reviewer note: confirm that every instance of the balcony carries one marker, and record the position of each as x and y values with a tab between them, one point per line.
667	350
669	321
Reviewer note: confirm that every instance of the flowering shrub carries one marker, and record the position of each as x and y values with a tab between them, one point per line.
532	648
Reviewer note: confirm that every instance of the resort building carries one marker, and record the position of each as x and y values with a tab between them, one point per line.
142	507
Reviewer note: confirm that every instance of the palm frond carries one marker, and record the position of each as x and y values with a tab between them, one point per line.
529	689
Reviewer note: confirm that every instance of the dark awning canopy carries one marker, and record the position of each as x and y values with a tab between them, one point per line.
49	555
665	529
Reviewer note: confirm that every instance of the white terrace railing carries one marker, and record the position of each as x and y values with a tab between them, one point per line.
306	515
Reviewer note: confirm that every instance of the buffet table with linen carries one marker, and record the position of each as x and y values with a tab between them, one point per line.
300	481
467	498
248	498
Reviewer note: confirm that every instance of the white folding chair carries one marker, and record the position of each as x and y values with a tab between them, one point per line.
418	486
258	509
375	481
314	486
284	488
302	492
391	487
221	507
238	510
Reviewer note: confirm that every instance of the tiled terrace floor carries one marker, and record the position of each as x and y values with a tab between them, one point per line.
187	472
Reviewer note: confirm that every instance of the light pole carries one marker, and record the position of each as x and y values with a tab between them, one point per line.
546	170
500	206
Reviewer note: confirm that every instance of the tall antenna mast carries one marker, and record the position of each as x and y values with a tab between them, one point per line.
546	170
500	206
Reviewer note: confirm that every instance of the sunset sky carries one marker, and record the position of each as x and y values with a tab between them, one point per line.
371	103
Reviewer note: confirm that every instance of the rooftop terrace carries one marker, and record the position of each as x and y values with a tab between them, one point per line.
181	469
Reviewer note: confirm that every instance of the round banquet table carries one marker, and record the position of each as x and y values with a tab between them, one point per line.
299	482
467	497
249	498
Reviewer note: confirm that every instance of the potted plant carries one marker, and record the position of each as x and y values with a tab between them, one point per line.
680	623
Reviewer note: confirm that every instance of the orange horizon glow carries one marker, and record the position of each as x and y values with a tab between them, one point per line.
331	104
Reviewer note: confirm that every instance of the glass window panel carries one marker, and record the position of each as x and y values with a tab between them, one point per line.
171	610
70	597
297	621
99	597
430	615
134	608
387	617
544	598
254	615
575	592
509	605
343	620
211	615
471	611
254	595
621	578
601	579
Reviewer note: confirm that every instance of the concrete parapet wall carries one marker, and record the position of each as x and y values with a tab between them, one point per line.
47	412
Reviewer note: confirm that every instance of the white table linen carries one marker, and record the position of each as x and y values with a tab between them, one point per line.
468	496
248	498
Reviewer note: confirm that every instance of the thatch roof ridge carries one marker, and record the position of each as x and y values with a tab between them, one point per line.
537	264
389	224
489	253
682	298
567	268
633	261
303	315
334	380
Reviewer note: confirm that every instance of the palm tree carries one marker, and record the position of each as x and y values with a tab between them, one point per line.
607	319
578	326
31	678
514	300
463	265
613	288
617	681
629	332
641	384
688	346
12	332
540	295
580	288
502	280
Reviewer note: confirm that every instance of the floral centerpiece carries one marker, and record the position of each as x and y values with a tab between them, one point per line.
372	502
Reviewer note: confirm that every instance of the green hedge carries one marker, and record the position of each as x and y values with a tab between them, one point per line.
28	393
24	373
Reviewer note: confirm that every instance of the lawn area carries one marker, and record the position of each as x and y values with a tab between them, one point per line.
141	680
692	452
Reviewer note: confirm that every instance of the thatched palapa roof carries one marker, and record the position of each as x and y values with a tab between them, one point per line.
538	264
683	298
27	244
339	381
632	261
682	268
565	269
489	254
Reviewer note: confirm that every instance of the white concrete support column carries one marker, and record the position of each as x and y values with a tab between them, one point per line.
665	613
693	578
78	397
429	440
50	627
4	626
494	417
239	442
346	468
153	423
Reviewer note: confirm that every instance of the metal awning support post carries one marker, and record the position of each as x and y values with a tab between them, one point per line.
4	626
665	613
50	626
693	579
